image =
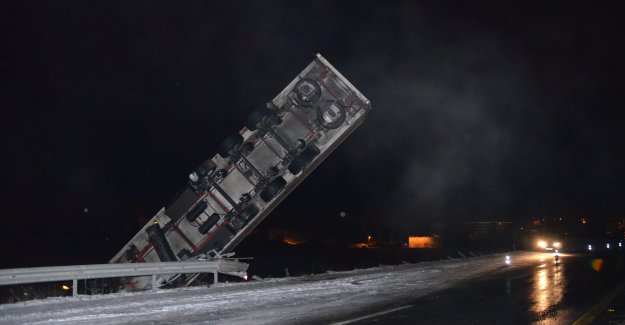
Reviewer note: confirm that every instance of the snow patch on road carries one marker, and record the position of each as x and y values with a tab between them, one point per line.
324	297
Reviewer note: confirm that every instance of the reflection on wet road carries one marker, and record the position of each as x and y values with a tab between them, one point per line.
548	288
533	289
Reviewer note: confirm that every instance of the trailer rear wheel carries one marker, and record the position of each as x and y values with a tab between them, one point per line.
256	118
207	167
298	164
228	144
273	189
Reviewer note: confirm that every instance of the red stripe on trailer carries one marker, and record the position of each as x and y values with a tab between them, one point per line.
185	238
221	205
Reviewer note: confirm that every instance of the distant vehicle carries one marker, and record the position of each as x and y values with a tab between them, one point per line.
615	245
595	244
548	244
605	245
229	194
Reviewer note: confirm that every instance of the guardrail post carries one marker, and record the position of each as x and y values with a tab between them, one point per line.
215	277
74	288
153	281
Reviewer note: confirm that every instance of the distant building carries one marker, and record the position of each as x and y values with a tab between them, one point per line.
423	241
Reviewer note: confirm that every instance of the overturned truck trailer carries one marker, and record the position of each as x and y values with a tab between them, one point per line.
229	194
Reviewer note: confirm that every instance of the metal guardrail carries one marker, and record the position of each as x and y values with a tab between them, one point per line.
99	271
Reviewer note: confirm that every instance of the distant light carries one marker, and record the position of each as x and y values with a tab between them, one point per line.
85	210
65	287
291	241
620	244
542	244
245	277
156	222
607	245
342	214
589	247
556	244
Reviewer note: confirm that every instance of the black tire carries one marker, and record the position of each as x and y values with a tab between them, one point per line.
228	144
246	148
273	189
248	213
209	223
298	164
207	167
196	211
256	118
332	116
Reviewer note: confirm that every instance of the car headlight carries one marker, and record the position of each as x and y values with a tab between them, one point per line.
556	244
542	244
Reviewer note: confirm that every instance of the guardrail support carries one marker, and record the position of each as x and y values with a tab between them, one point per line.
215	277
74	288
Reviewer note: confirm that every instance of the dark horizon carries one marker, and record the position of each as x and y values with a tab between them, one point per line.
481	111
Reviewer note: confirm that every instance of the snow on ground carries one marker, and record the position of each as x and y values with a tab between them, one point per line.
332	296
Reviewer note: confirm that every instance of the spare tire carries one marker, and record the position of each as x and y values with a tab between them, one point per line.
298	164
332	116
273	189
209	223
307	92
228	144
196	211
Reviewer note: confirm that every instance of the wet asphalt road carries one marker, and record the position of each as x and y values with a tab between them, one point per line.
537	291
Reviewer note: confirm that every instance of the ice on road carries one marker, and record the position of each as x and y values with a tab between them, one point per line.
327	297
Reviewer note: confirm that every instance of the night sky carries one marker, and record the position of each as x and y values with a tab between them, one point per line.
481	111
